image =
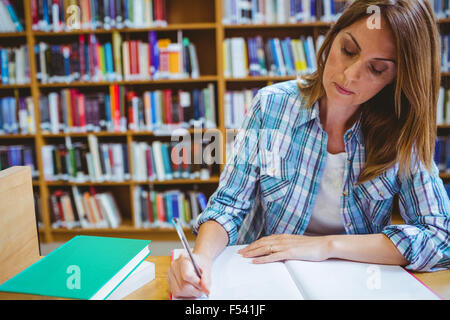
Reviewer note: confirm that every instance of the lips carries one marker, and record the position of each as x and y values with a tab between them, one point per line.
342	90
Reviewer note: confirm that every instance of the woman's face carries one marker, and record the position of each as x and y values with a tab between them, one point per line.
361	62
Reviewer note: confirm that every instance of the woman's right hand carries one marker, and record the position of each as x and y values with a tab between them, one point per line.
184	282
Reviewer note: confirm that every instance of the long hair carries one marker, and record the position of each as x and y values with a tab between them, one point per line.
398	123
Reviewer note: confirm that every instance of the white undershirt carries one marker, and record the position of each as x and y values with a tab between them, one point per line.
326	216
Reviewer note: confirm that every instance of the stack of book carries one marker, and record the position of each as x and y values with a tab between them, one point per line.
154	209
123	109
281	11
9	20
63	15
18	155
14	65
274	57
81	162
236	105
161	161
88	209
88	59
17	115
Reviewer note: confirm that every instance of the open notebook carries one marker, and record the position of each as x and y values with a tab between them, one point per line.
237	278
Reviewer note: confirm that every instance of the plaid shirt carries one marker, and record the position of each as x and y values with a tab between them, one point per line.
272	179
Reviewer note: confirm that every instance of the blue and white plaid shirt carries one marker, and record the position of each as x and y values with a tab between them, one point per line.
273	176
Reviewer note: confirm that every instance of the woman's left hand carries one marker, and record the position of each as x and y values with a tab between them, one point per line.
288	247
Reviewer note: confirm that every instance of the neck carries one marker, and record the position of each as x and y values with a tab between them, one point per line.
336	119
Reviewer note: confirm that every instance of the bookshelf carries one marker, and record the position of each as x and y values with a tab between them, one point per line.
201	22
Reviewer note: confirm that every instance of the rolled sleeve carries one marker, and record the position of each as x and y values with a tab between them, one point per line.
425	207
235	194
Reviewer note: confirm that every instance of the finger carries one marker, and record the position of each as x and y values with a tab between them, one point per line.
187	274
204	287
260	251
277	256
253	246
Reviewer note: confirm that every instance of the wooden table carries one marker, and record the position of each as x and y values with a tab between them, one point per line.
158	289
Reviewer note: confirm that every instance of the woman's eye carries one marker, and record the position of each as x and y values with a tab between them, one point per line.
374	70
347	53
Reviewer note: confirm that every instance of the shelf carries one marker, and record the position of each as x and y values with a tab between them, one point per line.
170	27
15	86
258	79
163	133
207	78
278	25
213	179
17	136
12	34
444	175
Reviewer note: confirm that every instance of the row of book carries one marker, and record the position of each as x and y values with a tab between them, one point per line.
9	20
154	209
236	105
281	11
18	155
122	109
161	161
81	162
89	59
109	162
14	65
272	57
83	209
63	15
17	115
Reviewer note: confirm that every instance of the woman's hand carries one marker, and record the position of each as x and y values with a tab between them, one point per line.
288	247
184	282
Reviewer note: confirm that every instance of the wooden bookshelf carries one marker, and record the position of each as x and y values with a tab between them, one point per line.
202	22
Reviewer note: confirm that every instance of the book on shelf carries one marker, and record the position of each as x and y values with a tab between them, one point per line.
86	162
121	109
17	115
18	155
62	15
236	105
10	21
91	59
163	161
14	65
38	207
84	209
271	57
281	11
445	52
153	209
441	8
443	107
89	267
332	279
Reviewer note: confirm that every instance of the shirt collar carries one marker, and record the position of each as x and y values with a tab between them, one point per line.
309	114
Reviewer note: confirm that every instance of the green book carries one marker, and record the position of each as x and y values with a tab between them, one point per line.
85	267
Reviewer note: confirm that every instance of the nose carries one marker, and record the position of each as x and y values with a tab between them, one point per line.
353	71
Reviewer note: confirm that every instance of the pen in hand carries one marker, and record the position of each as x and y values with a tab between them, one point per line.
185	243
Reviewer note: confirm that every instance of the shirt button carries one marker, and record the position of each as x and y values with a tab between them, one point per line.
345	193
348	224
380	193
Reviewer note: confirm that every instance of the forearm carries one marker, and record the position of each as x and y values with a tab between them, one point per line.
211	239
370	248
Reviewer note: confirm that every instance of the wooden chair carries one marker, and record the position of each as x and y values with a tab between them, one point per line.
19	242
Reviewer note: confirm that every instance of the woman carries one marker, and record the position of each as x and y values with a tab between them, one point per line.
320	161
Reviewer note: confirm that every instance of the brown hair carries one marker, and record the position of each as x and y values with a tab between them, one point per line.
401	119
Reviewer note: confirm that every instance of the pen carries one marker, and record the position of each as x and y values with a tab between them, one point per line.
180	232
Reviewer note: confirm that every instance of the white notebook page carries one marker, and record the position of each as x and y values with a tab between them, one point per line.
341	280
234	277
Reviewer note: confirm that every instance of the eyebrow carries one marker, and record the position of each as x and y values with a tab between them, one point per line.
359	48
